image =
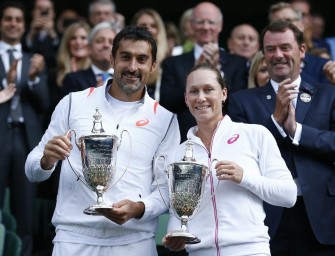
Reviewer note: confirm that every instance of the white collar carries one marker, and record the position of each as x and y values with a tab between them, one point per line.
275	84
4	47
98	71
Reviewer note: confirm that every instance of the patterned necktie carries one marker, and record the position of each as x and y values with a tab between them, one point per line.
15	112
11	56
104	76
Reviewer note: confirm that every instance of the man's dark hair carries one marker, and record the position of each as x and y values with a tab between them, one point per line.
282	26
13	4
137	34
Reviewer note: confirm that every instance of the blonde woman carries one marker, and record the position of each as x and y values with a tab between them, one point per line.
73	52
258	72
153	21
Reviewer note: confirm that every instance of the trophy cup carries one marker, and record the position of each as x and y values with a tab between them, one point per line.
98	157
186	180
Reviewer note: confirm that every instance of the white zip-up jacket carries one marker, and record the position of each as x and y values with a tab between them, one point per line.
153	131
232	221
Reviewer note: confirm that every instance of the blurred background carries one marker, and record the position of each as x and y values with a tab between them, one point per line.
235	11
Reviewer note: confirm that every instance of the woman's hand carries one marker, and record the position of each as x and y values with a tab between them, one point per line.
227	170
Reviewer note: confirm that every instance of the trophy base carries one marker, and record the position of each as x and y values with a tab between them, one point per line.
189	237
91	210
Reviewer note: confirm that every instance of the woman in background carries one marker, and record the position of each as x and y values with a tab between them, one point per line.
73	52
153	21
258	72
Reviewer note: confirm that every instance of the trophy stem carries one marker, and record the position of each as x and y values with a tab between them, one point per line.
100	193
184	220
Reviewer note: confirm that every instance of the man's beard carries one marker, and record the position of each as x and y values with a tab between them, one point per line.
129	89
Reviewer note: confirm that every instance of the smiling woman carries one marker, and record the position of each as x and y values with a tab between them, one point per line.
205	95
244	170
73	51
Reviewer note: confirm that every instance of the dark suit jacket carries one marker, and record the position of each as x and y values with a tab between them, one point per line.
175	70
78	81
313	159
34	101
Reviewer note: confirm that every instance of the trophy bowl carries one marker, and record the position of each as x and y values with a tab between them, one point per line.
186	186
98	157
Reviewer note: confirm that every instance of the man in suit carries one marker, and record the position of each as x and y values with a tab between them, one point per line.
105	10
100	41
301	116
244	41
20	124
317	68
207	23
42	36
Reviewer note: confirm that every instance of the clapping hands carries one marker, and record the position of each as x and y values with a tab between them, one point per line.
211	54
7	93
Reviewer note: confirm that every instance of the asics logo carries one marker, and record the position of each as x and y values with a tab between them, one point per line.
233	139
143	122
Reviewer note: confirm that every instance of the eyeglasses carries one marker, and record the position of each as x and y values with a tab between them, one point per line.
203	22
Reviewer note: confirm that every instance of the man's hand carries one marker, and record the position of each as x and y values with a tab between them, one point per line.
329	70
58	148
290	124
36	26
286	93
123	211
36	66
7	93
211	54
173	243
42	23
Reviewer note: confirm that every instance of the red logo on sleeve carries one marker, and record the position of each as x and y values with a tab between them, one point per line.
233	139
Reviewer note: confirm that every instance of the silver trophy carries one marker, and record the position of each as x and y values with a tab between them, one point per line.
98	157
186	181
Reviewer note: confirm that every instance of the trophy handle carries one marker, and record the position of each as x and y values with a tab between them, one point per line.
68	134
208	174
117	147
155	174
